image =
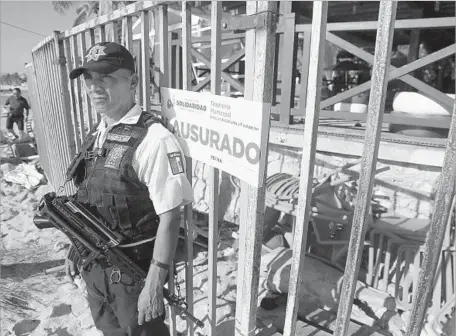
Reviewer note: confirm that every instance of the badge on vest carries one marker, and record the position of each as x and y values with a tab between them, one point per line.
115	156
176	162
118	137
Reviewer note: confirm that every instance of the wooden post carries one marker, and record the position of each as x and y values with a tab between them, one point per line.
213	238
384	41
260	49
317	52
188	212
77	61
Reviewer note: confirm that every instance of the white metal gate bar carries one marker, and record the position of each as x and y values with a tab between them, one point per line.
54	131
315	73
260	52
38	121
436	233
215	75
188	211
383	45
145	57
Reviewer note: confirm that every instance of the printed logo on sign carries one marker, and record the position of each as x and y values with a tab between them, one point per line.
169	103
176	162
95	53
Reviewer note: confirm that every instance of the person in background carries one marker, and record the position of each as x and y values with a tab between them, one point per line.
16	105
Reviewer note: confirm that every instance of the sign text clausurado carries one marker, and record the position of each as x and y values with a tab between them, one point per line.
230	134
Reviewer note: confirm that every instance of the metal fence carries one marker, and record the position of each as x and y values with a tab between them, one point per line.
63	117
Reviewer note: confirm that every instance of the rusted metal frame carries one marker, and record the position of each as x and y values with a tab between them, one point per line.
188	211
260	52
394	74
145	60
383	46
115	15
435	236
430	23
77	88
246	22
315	74
214	174
65	105
224	75
73	100
424	88
236	57
289	49
86	103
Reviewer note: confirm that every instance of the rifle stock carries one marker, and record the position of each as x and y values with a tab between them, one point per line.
77	223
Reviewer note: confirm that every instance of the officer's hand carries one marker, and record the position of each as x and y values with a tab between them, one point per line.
71	271
150	304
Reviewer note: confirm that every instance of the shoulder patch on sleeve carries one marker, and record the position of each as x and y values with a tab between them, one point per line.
176	162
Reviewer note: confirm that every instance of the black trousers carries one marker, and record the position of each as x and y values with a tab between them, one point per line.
114	307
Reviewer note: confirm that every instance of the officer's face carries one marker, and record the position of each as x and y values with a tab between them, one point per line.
110	93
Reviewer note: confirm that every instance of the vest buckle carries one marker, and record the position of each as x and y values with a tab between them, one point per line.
89	155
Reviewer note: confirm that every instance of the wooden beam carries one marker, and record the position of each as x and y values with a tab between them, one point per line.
288	53
432	23
424	88
236	57
395	73
224	75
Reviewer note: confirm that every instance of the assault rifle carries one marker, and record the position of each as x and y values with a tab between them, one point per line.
84	228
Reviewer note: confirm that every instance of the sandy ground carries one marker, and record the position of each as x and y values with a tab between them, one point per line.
37	304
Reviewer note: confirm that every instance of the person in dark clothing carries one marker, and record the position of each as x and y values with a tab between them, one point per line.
16	105
131	170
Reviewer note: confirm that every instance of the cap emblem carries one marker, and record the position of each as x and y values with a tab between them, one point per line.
95	53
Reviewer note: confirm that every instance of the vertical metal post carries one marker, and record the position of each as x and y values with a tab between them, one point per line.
385	32
188	213
145	58
260	52
435	236
216	34
317	52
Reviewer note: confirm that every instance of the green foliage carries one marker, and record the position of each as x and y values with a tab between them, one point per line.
13	79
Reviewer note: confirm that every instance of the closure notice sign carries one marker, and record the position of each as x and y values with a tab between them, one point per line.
230	134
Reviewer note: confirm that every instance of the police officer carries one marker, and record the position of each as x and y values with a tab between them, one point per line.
131	170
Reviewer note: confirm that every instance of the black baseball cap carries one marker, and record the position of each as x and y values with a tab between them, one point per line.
105	57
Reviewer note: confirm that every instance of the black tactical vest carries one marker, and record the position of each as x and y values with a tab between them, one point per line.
107	181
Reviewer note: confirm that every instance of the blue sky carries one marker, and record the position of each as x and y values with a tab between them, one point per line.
37	16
